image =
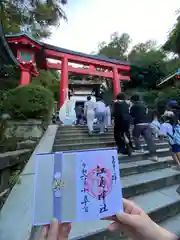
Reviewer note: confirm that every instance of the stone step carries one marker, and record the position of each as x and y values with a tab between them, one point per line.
172	224
90	141
137	184
70	127
85	139
162	152
97	138
159	145
130	168
77	130
104	144
79	134
163	149
159	204
82	146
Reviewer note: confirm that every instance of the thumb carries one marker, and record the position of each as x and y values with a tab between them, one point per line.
128	219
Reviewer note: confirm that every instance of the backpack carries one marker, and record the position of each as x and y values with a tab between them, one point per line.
176	134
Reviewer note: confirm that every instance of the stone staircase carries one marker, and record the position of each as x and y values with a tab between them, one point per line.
152	185
76	138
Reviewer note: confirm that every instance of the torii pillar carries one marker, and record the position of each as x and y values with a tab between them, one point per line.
64	81
116	83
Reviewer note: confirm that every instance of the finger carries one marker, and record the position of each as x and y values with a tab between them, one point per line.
128	219
54	230
117	226
130	207
64	230
44	233
111	218
114	226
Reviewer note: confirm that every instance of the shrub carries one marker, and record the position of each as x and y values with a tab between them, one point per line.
166	95
149	97
2	95
30	101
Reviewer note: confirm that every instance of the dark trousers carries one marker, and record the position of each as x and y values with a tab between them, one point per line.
78	121
121	128
146	131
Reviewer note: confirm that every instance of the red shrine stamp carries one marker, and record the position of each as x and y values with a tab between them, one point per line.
94	180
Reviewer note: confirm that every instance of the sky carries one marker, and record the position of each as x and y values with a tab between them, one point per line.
93	21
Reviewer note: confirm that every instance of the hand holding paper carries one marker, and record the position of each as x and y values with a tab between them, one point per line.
56	231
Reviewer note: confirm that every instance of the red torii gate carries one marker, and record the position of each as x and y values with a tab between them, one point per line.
32	54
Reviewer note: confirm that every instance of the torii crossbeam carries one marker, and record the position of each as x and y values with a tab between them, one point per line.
32	54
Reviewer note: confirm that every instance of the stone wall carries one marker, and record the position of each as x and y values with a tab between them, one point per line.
29	129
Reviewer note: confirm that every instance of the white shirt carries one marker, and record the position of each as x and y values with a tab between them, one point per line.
100	106
90	106
108	111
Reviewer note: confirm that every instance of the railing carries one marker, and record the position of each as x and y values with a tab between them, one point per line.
163	80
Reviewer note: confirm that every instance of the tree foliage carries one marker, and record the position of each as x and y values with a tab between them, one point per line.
34	16
166	95
117	47
149	62
37	17
173	42
50	80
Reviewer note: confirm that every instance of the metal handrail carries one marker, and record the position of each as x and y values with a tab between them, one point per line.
165	79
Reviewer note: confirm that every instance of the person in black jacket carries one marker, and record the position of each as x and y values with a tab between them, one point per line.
122	121
139	113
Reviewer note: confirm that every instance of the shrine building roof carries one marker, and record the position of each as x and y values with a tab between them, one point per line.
67	51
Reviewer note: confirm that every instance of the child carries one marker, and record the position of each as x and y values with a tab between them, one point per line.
172	130
155	125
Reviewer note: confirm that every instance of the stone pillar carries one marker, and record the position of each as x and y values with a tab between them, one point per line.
116	82
64	81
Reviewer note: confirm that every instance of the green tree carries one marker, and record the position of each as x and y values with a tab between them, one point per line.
172	65
37	17
117	47
173	42
148	65
146	53
49	79
34	16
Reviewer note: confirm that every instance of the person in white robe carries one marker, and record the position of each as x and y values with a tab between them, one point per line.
89	112
101	114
